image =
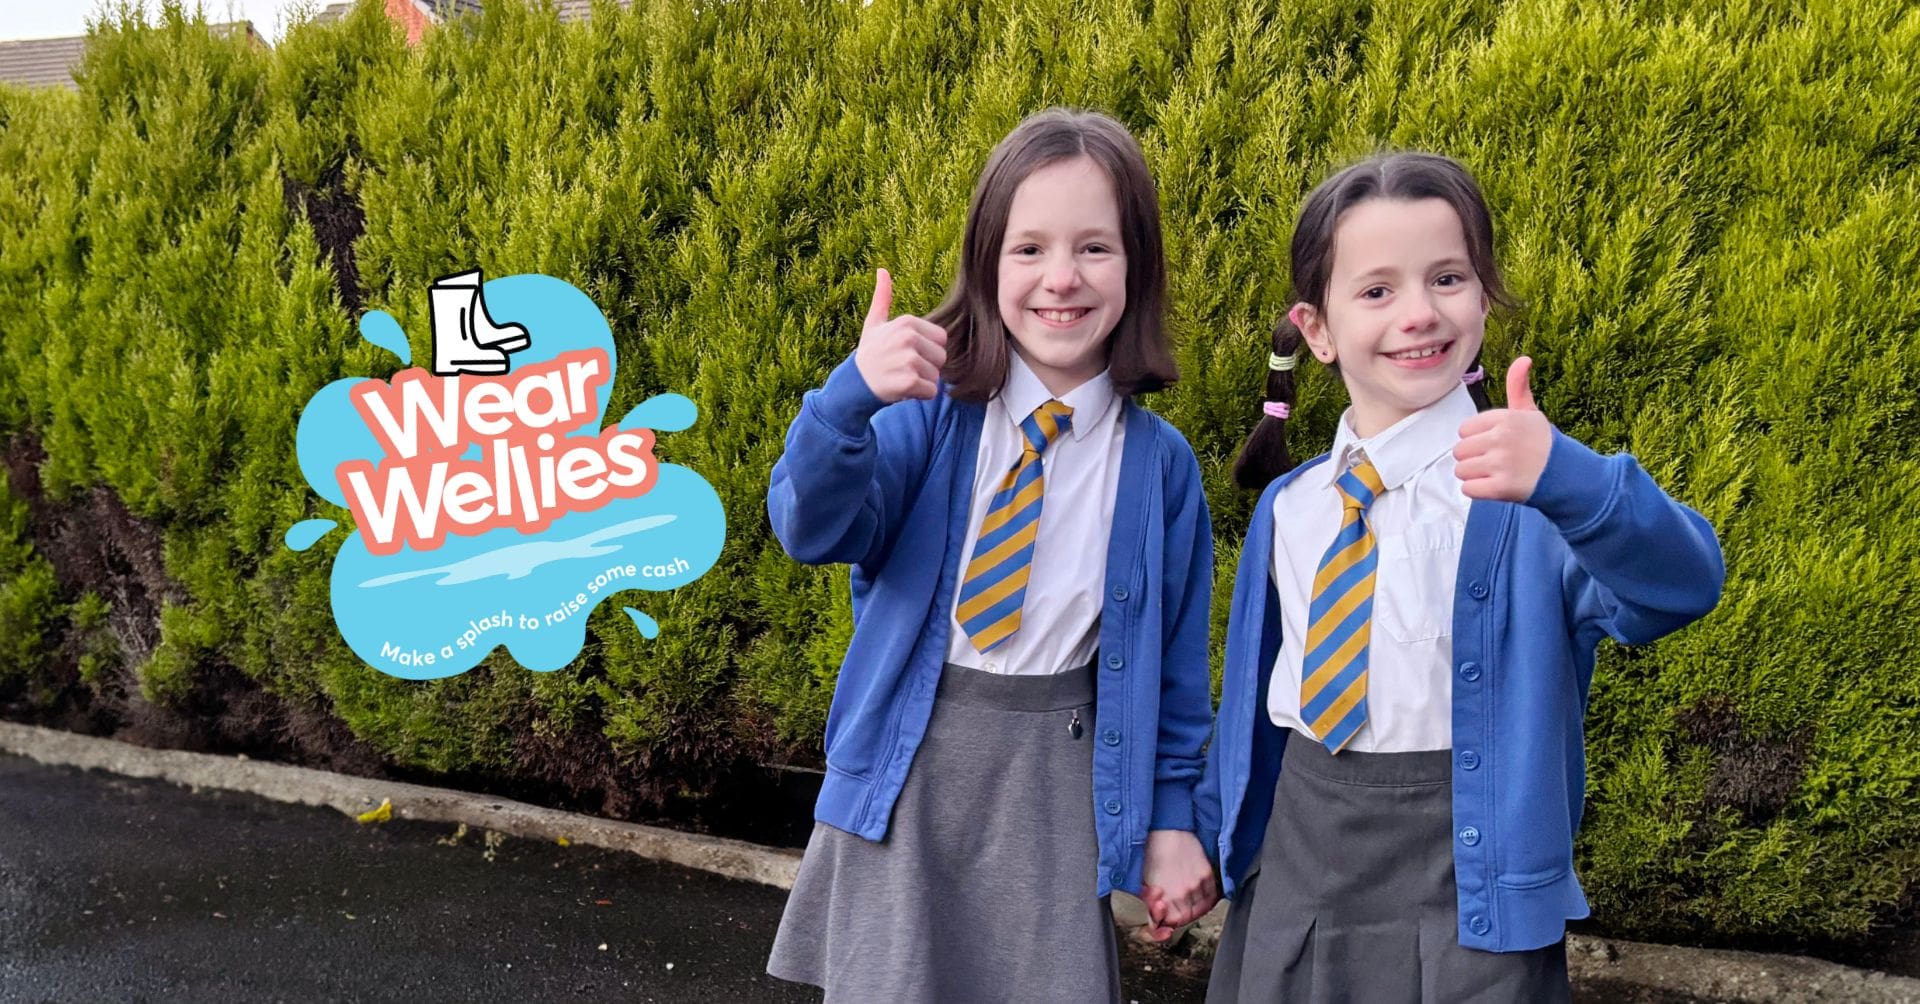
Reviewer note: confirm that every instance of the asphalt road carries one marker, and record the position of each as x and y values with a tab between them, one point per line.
122	890
114	889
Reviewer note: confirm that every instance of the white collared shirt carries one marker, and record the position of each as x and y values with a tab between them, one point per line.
1060	617
1418	524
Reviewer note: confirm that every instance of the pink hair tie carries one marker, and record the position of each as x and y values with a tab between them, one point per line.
1474	375
1276	409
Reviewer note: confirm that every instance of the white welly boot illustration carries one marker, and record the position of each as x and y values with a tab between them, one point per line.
454	351
505	337
465	339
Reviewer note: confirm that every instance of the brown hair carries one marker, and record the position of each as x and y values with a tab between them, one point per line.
1139	357
1406	176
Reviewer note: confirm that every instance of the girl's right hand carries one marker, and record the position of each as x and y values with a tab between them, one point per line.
1176	883
900	357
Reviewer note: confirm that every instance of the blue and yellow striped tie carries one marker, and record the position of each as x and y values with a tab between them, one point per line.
996	581
1333	677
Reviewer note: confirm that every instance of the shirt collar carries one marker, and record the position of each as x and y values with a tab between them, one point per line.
1023	392
1409	445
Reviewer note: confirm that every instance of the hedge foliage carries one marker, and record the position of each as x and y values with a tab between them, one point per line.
1711	212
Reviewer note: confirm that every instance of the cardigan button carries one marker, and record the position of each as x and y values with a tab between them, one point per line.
1113	807
1120	593
1115	662
1469	836
1478	925
1469	760
1470	671
1478	590
1111	737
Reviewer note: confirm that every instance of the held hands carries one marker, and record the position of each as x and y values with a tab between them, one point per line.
1501	452
898	358
1177	884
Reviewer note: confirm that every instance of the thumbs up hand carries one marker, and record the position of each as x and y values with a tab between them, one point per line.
1502	452
898	357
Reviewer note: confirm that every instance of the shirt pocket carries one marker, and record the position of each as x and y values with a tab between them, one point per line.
1413	590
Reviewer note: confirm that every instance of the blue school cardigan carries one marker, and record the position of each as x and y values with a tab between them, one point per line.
886	489
1598	550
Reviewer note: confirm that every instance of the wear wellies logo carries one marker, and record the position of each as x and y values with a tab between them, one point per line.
490	506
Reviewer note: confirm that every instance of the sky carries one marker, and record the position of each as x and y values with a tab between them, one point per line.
54	18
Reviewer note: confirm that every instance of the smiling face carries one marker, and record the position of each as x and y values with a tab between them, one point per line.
1405	311
1063	271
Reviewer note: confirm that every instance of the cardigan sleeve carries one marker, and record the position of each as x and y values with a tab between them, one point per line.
1186	701
841	487
1644	564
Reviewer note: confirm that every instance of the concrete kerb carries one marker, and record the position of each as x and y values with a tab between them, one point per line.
354	795
1607	964
1707	974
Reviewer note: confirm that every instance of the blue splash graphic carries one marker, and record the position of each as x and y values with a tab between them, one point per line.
666	413
648	627
422	615
381	329
308	532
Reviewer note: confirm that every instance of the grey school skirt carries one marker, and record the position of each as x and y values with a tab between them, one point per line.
1353	897
984	887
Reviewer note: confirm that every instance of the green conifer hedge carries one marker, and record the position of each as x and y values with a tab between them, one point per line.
1711	211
